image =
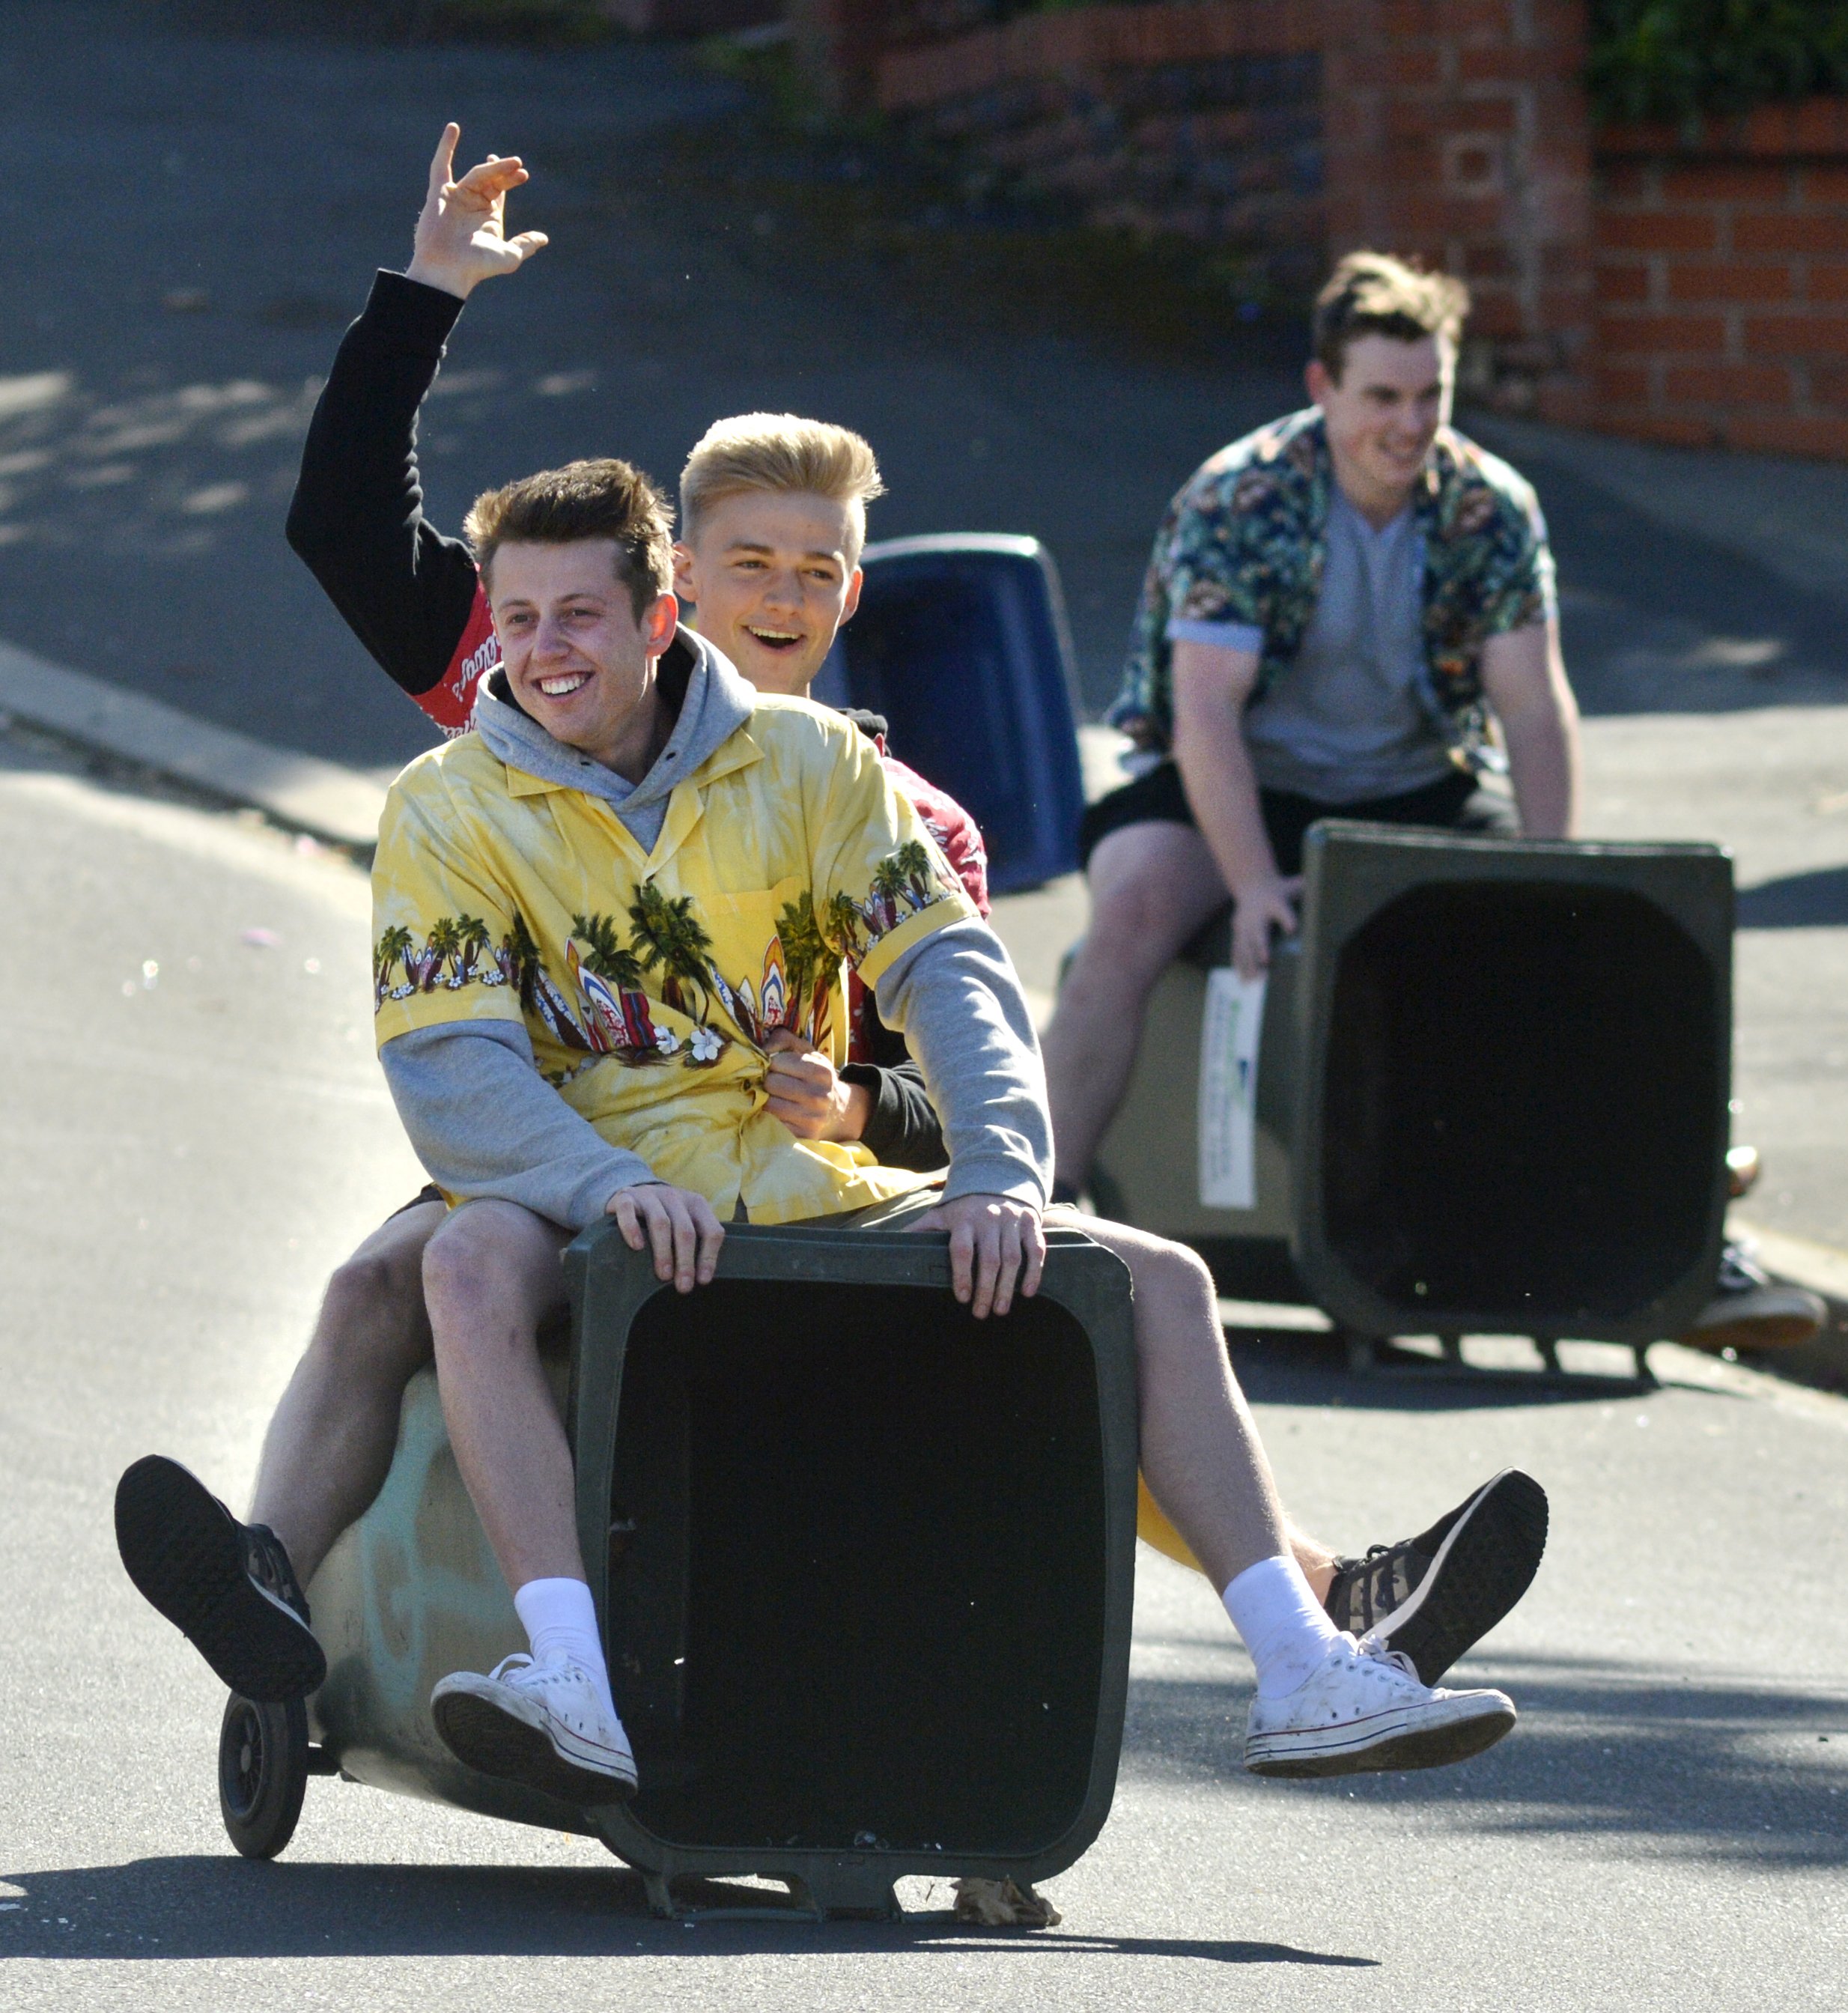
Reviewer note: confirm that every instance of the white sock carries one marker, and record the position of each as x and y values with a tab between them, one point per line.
560	1620
1287	1630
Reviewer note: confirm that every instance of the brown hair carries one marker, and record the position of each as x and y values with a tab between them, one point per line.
584	499
779	452
1372	293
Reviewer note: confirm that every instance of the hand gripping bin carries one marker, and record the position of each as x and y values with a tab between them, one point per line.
960	641
865	1567
1492	1090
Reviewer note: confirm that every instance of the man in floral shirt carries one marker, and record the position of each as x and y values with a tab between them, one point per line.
1336	605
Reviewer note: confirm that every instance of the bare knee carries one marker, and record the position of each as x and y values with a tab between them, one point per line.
1140	917
490	1257
1171	1281
372	1318
1175	1278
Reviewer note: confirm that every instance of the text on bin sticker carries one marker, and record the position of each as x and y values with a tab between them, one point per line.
1234	1018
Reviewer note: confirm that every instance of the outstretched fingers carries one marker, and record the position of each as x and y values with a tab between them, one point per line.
443	160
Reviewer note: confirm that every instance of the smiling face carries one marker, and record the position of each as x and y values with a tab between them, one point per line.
1383	415
772	573
579	660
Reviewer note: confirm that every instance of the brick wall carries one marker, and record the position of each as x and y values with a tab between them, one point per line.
1691	290
1457	129
1722	282
1201	120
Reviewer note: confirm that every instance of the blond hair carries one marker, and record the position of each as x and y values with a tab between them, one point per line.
584	499
1372	293
781	454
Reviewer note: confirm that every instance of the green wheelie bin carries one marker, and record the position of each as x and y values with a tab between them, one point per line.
864	1567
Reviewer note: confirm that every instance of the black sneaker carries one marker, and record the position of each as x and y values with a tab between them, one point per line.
228	1587
1431	1597
1750	1310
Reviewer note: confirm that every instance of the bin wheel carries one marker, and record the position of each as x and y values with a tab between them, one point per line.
263	1771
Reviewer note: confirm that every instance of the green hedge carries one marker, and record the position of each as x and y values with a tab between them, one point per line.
1677	59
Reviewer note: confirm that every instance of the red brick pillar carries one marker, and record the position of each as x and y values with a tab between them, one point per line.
1458	130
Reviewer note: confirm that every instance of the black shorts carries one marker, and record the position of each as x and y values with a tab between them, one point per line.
1452	803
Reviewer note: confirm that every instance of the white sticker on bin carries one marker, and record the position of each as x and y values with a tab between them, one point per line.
1234	1020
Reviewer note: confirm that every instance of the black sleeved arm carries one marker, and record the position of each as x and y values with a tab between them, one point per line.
357	517
902	1130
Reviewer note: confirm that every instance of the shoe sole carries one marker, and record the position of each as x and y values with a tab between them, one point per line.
1783	1327
1486	1562
1410	1737
480	1735
186	1558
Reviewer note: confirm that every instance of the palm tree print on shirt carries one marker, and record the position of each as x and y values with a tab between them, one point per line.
670	938
621	1021
606	1010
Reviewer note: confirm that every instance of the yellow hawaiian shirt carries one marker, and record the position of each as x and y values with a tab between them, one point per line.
649	981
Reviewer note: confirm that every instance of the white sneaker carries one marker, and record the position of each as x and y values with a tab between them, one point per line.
544	1725
1364	1710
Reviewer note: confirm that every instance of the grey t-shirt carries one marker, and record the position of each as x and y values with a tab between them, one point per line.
1348	719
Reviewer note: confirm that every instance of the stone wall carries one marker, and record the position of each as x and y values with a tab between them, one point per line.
1722	282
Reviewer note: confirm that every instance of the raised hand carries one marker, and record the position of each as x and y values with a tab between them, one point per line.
461	240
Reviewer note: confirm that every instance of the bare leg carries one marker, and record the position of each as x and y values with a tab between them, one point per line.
1315	1559
330	1444
491	1274
1200	1451
1152	887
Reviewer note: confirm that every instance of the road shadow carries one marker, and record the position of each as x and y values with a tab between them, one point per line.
1715	1768
1657	621
1309	1366
191	1907
1816	900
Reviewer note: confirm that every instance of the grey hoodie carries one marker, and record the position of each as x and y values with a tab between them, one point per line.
485	1123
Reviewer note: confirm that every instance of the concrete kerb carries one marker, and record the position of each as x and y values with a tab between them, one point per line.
299	791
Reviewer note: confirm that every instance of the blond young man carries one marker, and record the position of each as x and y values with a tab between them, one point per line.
773	522
743	823
774	518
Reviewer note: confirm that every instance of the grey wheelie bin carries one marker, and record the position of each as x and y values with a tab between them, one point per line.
1488	1094
864	1565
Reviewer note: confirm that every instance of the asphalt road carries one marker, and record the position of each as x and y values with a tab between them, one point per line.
197	1132
207	206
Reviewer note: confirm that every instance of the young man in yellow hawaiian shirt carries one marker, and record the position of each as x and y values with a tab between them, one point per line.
590	911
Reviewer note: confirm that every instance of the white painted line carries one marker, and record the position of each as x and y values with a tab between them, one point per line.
297	789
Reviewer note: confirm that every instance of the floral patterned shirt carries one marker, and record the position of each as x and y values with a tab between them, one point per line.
1243	544
650	981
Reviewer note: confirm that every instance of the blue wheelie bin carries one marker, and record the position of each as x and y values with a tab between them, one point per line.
960	642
